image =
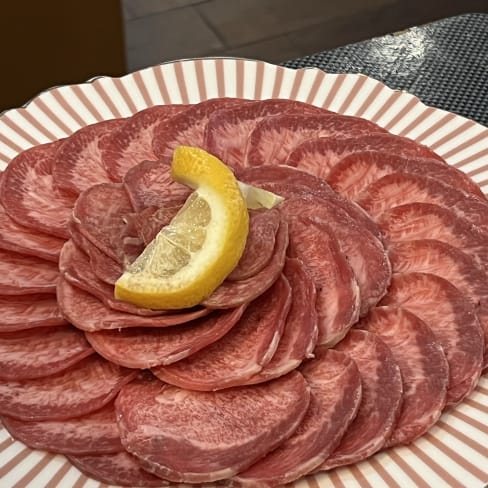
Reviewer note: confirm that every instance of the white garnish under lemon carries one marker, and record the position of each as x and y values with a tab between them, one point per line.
193	255
257	197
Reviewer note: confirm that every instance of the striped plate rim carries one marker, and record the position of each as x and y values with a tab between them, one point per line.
454	453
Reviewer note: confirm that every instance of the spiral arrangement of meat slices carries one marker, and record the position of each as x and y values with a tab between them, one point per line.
356	314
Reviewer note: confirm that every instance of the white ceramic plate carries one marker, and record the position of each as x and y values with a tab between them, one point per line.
452	454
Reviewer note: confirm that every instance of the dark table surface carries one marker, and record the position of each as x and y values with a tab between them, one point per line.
444	63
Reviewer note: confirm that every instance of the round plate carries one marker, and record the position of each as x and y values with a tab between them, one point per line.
454	452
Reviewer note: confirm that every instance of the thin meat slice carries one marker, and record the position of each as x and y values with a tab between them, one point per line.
83	388
455	266
75	268
453	321
234	293
120	469
228	129
149	184
16	237
195	437
381	399
338	296
78	161
92	434
274	138
29	195
399	188
423	367
104	267
355	172
21	312
300	333
319	156
279	173
188	127
101	217
22	275
288	182
148	347
74	304
414	221
132	142
242	352
335	396
260	244
29	354
365	253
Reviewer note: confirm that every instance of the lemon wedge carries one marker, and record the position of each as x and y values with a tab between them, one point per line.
191	257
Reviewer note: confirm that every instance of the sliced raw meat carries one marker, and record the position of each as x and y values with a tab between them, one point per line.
146	348
132	143
423	367
319	156
301	331
399	188
381	400
21	312
227	130
78	160
263	226
337	290
29	195
75	304
83	388
149	184
274	138
21	275
191	436
288	182
28	354
414	221
119	469
75	268
455	266
279	173
453	321
16	237
365	253
105	268
242	352
335	397
188	127
355	172
94	433
234	293
101	217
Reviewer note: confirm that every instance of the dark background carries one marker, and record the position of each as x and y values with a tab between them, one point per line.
55	42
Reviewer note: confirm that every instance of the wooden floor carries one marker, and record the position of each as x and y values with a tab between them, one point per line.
271	30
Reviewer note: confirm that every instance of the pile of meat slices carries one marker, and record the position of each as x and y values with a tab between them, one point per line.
357	313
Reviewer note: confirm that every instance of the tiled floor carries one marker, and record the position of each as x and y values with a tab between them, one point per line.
272	30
